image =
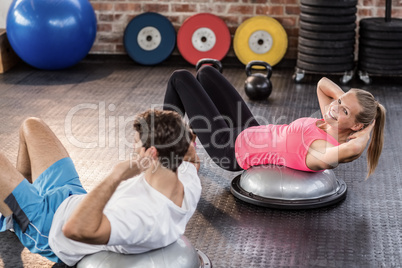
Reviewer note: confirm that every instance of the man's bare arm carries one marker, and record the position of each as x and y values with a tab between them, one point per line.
87	223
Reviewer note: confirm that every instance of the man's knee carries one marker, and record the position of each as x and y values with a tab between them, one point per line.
32	124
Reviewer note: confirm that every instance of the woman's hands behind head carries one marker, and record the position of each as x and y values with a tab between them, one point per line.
358	140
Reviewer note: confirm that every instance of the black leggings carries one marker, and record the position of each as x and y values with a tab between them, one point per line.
216	111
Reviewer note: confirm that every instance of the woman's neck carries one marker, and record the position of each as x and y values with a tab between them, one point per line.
340	135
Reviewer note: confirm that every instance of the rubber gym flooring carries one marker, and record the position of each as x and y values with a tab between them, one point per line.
90	108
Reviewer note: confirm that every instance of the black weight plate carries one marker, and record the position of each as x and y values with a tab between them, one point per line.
380	71
327	36
323	68
376	66
326	44
327	27
380	51
347	19
331	11
364	54
380	25
380	67
396	63
326	59
367	34
325	51
329	3
380	43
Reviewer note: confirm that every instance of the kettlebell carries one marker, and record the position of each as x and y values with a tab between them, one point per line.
257	85
215	63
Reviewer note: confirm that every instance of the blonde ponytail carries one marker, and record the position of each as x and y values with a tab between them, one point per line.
377	140
371	110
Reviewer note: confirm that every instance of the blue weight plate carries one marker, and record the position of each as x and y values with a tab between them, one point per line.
149	38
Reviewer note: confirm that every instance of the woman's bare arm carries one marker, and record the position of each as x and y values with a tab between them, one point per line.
327	91
321	156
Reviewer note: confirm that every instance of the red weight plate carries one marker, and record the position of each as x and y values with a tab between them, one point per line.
203	36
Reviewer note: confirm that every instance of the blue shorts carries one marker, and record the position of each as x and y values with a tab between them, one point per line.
34	205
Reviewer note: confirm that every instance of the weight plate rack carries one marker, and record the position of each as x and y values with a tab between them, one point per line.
326	38
380	46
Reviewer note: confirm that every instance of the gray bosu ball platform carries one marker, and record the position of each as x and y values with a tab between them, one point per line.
180	254
286	188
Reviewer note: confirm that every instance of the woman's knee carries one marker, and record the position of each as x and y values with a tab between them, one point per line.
182	75
185	82
206	72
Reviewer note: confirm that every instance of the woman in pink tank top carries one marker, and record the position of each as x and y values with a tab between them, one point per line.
235	140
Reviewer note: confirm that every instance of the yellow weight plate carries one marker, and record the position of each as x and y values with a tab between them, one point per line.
260	38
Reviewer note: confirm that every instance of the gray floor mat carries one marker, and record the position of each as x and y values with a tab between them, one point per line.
365	230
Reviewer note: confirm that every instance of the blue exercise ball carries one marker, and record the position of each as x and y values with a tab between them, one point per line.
51	34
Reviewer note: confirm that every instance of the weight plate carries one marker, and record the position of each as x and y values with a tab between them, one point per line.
260	42
331	3
202	36
384	69
380	51
380	43
326	44
260	38
331	11
324	68
149	38
325	59
367	34
380	25
327	36
380	71
365	54
392	63
362	54
203	39
327	27
347	19
325	51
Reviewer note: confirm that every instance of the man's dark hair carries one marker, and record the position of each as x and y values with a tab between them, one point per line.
166	131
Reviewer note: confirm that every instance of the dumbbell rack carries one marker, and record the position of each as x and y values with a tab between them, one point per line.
380	46
326	38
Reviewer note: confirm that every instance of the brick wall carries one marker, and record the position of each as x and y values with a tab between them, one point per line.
114	15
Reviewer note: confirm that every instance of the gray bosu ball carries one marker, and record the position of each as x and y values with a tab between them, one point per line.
286	188
180	254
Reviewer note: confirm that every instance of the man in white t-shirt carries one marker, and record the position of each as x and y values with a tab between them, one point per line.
143	204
